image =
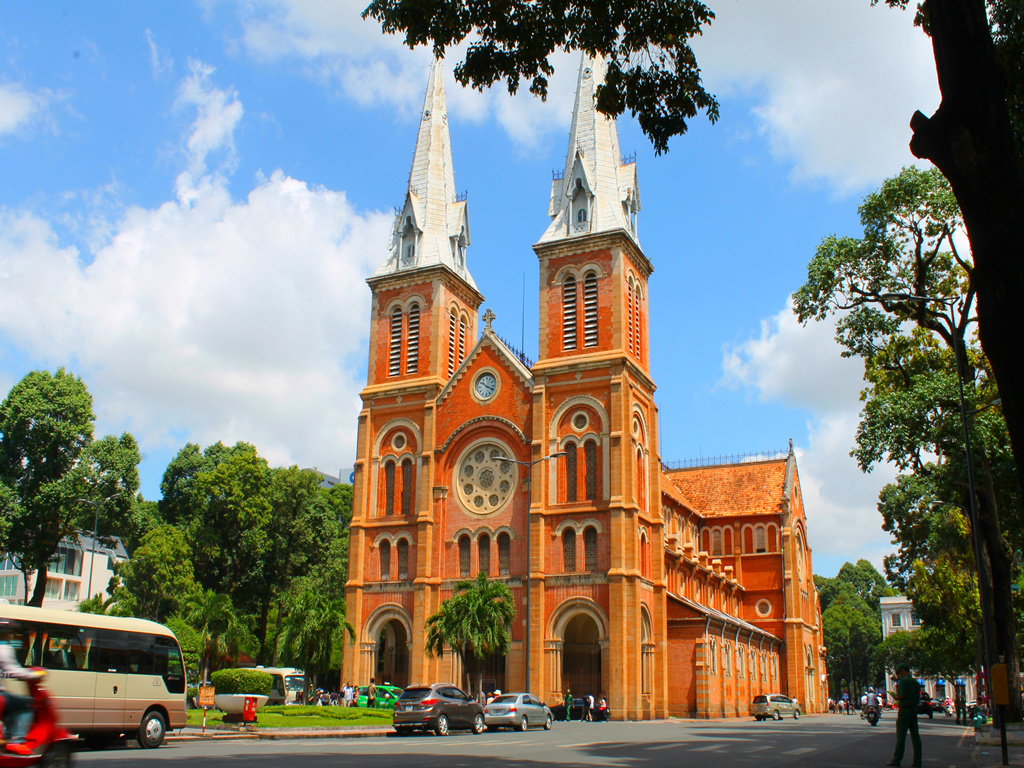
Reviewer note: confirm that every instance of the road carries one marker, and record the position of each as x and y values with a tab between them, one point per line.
827	740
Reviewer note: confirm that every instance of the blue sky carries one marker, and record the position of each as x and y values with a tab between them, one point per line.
194	194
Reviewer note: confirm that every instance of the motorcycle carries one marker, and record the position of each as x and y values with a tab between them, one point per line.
46	744
874	712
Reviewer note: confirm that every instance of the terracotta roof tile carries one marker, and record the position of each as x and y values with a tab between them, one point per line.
670	490
734	489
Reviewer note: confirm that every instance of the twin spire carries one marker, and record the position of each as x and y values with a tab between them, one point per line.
597	191
432	227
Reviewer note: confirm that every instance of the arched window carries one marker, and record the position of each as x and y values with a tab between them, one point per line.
590	310
569	550
389	488
452	323
484	553
569	313
385	560
407	486
641	484
464	555
630	309
646	653
645	555
581	215
716	543
412	354
504	545
403	559
590	459
462	339
590	548
759	540
395	354
570	472
638	323
773	539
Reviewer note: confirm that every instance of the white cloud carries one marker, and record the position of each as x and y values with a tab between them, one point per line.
800	367
206	318
836	82
160	62
342	50
20	107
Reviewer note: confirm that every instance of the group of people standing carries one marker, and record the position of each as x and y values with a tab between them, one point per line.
593	710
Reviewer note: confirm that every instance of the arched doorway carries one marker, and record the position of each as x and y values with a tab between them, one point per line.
392	663
581	656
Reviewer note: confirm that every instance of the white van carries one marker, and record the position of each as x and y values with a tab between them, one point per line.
108	676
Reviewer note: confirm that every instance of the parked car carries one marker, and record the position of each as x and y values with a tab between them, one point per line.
439	708
387	695
774	705
926	706
517	710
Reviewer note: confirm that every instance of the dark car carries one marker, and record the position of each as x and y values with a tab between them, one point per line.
440	707
926	706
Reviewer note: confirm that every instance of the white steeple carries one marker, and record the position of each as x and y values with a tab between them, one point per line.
597	192
432	228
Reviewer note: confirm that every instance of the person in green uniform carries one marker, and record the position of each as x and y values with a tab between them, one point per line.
567	700
961	706
907	696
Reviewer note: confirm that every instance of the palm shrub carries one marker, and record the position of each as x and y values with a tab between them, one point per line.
475	622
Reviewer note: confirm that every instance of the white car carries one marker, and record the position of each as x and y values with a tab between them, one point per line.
517	710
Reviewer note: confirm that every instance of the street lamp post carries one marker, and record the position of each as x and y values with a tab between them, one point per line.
529	507
95	529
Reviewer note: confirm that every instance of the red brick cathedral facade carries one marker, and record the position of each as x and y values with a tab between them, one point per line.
679	593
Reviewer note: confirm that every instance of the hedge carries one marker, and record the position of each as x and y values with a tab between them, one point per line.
250	681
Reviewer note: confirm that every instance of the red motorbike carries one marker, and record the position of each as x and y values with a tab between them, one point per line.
46	744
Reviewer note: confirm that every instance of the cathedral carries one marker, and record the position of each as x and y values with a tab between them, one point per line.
673	592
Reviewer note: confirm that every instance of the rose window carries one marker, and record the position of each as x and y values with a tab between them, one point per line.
486	478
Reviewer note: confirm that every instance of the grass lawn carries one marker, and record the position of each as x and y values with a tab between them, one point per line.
301	717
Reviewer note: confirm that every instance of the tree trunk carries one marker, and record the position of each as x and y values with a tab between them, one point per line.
970	139
39	592
261	633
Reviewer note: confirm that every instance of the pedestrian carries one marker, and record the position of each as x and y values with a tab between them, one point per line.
908	696
567	700
589	707
602	709
371	694
961	707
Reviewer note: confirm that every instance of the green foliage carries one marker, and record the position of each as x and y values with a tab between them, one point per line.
191	645
476	622
851	621
158	578
314	627
49	462
213	618
652	69
250	681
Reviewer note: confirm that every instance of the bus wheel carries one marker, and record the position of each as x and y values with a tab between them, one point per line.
152	730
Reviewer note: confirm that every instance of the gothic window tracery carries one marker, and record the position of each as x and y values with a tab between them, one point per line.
385	560
484	553
590	459
504	547
403	559
464	557
569	550
407	486
716	543
570	471
590	549
389	488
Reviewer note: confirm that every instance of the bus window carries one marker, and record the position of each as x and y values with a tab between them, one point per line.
168	664
66	648
140	654
110	653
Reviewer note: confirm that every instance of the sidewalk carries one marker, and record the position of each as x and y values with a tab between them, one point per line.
222	734
988	750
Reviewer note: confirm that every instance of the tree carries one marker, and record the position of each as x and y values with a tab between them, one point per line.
158	578
313	629
903	297
475	622
212	617
49	462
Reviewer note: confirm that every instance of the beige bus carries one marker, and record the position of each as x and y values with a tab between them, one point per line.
109	676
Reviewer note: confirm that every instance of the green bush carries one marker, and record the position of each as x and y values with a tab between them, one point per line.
250	681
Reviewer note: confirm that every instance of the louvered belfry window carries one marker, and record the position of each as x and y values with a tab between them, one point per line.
590	310
395	357
629	311
462	340
412	355
451	343
569	313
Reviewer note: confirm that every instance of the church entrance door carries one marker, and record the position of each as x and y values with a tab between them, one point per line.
393	654
581	656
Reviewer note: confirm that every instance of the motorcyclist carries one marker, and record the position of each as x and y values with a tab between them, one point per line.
17	709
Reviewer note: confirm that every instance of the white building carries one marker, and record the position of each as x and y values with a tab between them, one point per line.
68	580
898	616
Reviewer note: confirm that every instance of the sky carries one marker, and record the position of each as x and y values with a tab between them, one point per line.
194	193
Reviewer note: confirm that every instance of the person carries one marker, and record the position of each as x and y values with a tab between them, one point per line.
907	696
371	694
348	695
961	707
589	705
17	710
602	709
567	700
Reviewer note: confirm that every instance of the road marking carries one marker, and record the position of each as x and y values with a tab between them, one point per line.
584	744
663	746
799	751
708	748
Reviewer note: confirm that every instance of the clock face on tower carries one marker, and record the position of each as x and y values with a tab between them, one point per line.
486	385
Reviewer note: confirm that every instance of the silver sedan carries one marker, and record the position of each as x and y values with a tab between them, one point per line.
517	710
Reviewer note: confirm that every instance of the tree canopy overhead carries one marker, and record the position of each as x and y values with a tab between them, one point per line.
652	70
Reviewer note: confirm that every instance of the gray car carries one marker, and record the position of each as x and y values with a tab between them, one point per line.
774	705
439	708
517	710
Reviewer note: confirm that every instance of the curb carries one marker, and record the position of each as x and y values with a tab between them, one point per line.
278	735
